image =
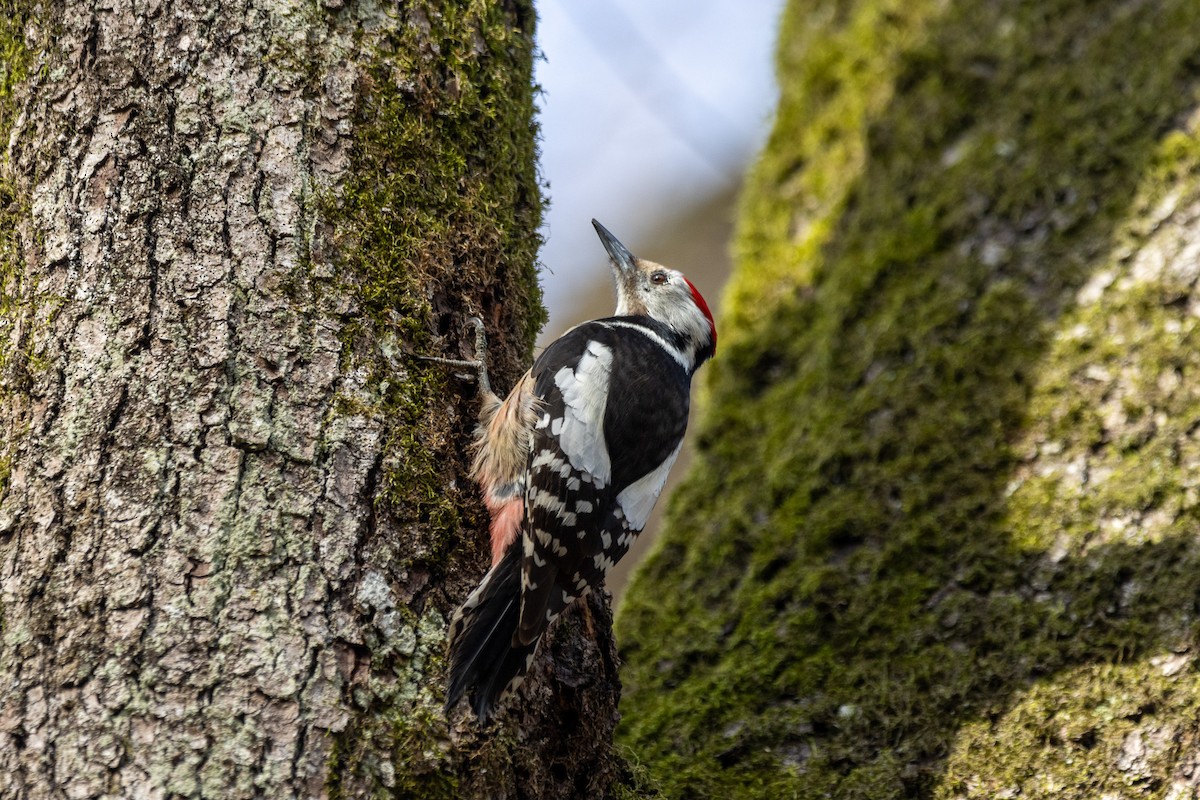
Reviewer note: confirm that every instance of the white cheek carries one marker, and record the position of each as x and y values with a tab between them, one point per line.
673	305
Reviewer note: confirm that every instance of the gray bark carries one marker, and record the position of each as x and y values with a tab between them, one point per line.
207	588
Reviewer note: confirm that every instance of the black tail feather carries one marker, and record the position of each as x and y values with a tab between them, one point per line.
485	658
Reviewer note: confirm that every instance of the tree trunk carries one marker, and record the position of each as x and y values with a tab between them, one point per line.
941	537
235	514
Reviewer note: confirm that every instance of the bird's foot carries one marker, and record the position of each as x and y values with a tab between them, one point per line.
479	363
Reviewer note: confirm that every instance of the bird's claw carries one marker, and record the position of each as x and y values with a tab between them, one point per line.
478	364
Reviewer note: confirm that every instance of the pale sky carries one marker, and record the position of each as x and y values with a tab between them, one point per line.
644	102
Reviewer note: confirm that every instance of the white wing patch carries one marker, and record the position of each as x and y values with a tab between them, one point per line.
638	498
547	458
584	392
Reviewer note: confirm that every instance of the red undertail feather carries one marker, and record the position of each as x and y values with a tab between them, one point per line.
506	523
502	446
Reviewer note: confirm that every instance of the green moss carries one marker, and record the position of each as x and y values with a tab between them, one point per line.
1075	737
637	782
879	553
14	56
838	65
14	206
15	61
437	222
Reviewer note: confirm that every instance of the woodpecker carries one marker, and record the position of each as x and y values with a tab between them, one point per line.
571	464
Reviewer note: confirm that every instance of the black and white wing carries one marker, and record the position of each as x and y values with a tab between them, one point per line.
614	407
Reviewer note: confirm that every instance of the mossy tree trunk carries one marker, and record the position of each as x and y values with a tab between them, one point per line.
234	515
941	539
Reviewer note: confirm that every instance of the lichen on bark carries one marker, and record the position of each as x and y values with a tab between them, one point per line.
940	524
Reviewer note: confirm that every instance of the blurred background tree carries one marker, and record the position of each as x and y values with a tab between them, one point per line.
940	536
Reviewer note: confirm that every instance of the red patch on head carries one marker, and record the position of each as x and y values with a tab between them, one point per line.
703	306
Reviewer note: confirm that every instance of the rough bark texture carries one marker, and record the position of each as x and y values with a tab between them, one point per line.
234	515
941	537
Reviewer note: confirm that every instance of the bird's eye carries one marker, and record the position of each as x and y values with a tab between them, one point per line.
658	278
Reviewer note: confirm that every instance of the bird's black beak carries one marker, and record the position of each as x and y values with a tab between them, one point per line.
622	259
